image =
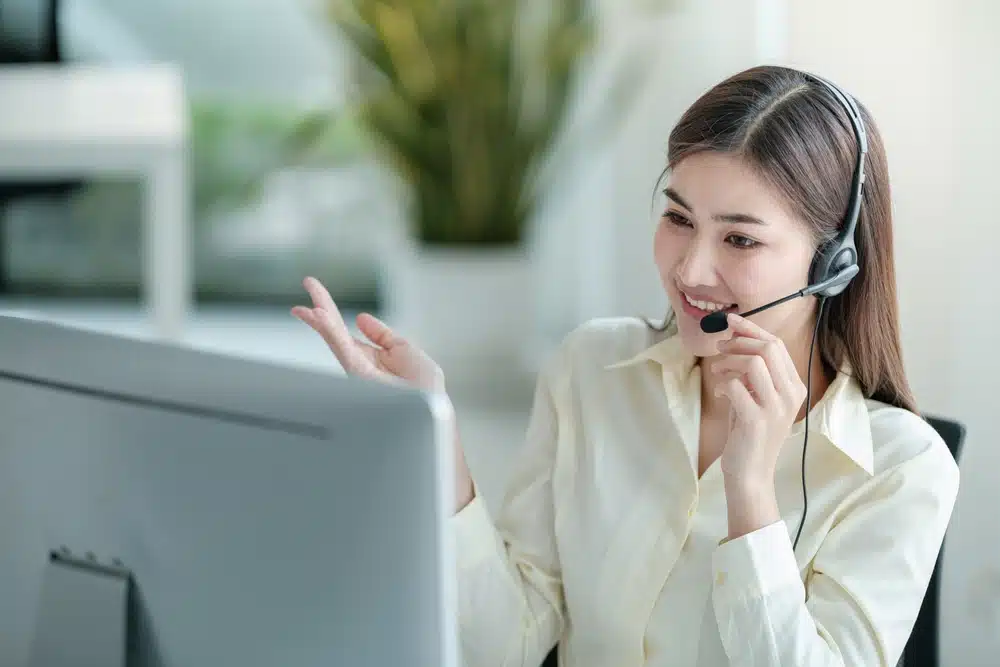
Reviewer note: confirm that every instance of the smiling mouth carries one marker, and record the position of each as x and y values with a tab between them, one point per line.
707	306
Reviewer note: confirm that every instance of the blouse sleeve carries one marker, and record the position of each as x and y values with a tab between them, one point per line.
510	600
868	580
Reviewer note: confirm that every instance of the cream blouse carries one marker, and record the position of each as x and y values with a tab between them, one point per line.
609	543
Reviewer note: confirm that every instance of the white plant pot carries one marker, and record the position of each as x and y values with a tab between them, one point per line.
472	309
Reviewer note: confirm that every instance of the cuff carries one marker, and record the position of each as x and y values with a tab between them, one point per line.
755	565
476	539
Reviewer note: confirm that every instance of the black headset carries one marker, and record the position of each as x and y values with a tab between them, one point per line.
836	261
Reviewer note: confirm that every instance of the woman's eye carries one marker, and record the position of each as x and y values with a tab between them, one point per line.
735	240
676	218
740	241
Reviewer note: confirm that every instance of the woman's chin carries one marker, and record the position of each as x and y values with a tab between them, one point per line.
696	341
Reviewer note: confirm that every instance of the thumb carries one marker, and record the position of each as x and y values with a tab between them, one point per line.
378	331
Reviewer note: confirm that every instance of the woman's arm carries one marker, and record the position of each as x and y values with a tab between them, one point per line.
867	582
869	576
509	579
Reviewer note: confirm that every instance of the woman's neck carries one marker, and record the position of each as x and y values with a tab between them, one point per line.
797	343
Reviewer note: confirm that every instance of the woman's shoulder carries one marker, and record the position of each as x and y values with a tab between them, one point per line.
902	438
602	341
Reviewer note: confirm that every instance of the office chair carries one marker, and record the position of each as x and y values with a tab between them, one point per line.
922	649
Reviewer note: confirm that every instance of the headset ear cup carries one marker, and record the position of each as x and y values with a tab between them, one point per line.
819	270
834	261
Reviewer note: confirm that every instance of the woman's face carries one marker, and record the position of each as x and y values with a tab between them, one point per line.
726	240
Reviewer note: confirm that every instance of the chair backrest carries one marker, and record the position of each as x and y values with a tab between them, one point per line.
922	649
950	431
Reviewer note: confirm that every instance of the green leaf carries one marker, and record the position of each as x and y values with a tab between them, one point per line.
470	98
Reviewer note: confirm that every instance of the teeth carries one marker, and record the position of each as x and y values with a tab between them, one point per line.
707	306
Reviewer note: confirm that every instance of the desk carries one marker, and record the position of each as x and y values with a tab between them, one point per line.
73	121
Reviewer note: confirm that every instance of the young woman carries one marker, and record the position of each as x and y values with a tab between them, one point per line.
678	500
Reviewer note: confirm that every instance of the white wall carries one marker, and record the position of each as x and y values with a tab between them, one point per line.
927	71
269	50
973	570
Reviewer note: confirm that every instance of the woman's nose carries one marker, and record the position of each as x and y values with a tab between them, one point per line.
697	265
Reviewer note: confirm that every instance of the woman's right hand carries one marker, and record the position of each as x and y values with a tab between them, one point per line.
385	357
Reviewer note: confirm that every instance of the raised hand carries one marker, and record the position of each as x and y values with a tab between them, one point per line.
384	356
765	394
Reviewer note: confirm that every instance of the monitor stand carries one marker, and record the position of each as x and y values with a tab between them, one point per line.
82	618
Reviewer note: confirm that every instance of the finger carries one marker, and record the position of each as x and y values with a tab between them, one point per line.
373	368
378	331
331	327
727	375
773	353
759	379
744	327
321	301
324	305
304	314
320	295
341	342
738	364
330	318
740	400
762	383
369	351
310	317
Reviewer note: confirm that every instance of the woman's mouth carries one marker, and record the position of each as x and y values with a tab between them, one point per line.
699	308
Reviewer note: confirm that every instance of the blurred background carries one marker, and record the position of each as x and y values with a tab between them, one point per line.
481	176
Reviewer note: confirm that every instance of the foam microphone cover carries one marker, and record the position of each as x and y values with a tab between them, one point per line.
714	322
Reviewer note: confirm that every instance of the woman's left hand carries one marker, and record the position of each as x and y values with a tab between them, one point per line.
765	395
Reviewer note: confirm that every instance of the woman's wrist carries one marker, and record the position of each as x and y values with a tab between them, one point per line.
465	490
465	493
751	504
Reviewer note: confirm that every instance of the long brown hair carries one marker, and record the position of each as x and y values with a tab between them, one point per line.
798	136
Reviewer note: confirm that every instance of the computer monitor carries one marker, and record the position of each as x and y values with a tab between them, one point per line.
166	507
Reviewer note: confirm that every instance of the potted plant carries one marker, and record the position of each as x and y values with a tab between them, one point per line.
466	101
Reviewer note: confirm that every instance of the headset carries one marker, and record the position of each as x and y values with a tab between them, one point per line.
836	262
833	267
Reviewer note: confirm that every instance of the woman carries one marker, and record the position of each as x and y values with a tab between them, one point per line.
657	514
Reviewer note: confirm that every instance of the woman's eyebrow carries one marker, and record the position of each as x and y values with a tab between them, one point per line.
733	218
